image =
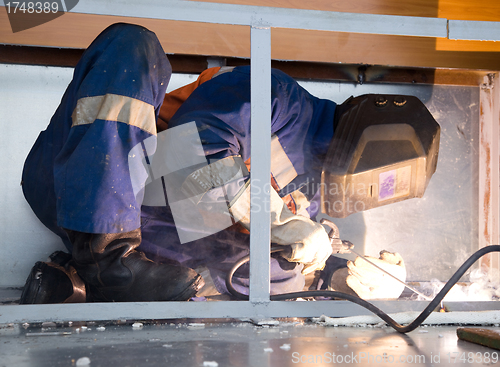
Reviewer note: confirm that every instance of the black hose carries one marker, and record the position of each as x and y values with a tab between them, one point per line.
385	317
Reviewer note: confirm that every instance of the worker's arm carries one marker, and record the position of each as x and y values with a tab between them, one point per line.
221	111
308	240
227	180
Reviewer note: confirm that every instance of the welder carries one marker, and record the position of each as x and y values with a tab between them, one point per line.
81	181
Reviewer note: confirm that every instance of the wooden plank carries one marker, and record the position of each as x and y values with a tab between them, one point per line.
486	10
487	337
195	64
444	44
375	50
74	30
247	15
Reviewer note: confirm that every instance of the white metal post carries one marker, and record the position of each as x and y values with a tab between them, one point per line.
260	234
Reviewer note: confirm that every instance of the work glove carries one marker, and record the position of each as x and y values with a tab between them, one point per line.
312	247
368	282
304	240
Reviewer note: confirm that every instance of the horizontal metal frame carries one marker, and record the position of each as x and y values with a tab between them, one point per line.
261	20
197	310
267	16
233	14
297	19
474	30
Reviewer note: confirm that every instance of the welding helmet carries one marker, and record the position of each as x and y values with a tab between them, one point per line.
384	150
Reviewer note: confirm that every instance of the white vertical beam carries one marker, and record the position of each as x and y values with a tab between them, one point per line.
489	170
260	234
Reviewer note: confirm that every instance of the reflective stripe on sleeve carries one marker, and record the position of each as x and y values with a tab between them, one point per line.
281	167
113	107
223	70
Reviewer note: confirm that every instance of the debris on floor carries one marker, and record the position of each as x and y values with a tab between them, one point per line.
195	325
84	361
263	322
226	343
435	318
285	347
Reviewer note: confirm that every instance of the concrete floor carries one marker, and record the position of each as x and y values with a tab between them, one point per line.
233	343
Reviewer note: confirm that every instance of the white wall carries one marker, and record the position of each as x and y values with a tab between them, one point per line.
434	234
29	95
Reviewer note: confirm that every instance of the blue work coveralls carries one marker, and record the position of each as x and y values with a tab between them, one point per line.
77	173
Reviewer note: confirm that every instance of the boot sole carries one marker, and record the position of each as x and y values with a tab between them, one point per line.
191	290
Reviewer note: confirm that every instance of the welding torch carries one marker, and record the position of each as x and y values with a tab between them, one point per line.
343	247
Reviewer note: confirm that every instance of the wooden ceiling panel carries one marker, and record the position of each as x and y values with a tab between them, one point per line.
74	30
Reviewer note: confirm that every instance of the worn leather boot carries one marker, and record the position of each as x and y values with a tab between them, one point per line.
54	281
115	272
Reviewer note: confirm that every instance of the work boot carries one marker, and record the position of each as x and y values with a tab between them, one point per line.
54	281
115	271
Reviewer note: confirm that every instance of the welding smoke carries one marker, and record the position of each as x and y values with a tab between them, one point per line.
482	286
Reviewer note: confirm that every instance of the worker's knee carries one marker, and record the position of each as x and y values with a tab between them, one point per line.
130	40
133	31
